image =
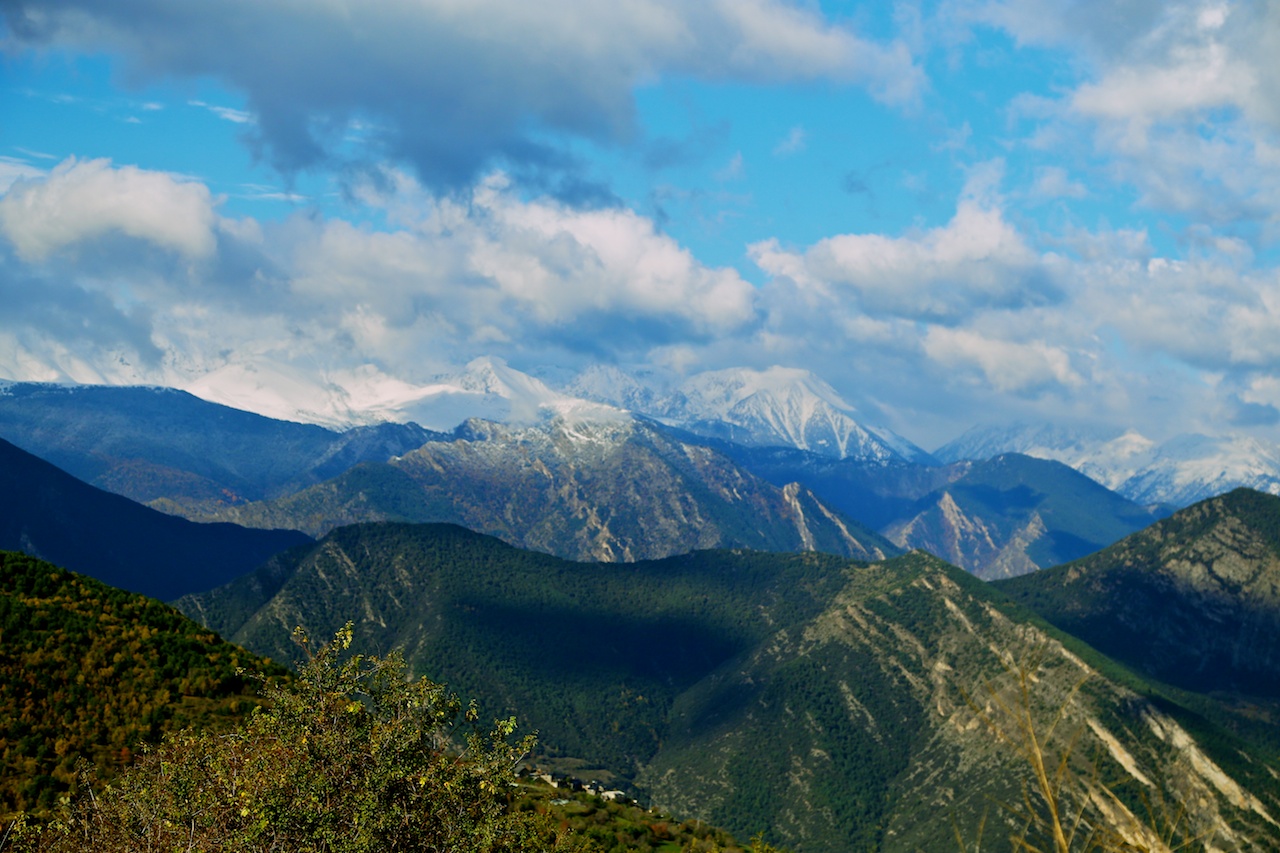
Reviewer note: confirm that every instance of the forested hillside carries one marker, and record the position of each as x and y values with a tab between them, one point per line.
823	701
91	672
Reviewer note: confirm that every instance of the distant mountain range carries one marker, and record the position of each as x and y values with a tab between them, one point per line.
1014	514
579	477
775	408
779	407
1176	473
168	448
835	705
606	487
47	513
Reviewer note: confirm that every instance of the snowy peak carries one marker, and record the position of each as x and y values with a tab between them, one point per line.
1109	456
1179	472
607	384
784	407
1190	468
719	392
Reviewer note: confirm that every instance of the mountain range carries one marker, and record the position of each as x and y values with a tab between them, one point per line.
835	705
609	487
1178	472
692	679
582	478
183	454
49	514
777	407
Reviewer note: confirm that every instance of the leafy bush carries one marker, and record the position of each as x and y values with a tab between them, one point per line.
349	757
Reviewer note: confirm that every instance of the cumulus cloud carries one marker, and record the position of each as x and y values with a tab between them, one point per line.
454	87
976	262
1183	98
1011	366
449	278
81	200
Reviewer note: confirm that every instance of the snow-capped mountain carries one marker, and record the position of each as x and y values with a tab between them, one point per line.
783	407
777	407
1177	472
607	384
1108	456
485	388
1190	468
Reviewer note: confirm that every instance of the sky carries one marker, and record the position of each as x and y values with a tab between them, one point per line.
954	212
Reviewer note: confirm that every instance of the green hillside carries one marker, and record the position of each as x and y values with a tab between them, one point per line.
832	704
1194	600
91	672
591	655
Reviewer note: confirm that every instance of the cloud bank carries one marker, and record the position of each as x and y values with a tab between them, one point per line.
454	88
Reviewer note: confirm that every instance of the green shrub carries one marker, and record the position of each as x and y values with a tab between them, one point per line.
349	757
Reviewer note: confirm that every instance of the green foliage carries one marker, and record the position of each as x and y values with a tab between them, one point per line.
350	756
91	673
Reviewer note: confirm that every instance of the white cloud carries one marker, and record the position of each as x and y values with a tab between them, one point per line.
1053	182
456	86
82	200
452	278
12	169
975	262
225	113
1181	99
1009	366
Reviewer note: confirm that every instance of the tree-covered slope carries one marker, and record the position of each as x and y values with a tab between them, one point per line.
1193	600
590	655
91	672
890	721
50	514
824	701
612	490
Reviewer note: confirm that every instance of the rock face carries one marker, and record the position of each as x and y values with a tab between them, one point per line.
1194	600
835	705
610	488
1015	514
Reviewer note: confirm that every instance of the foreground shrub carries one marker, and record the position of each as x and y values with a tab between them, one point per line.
349	757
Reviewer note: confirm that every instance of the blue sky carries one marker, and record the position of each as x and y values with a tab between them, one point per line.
953	212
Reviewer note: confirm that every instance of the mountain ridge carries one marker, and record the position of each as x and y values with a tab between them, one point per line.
49	514
618	489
